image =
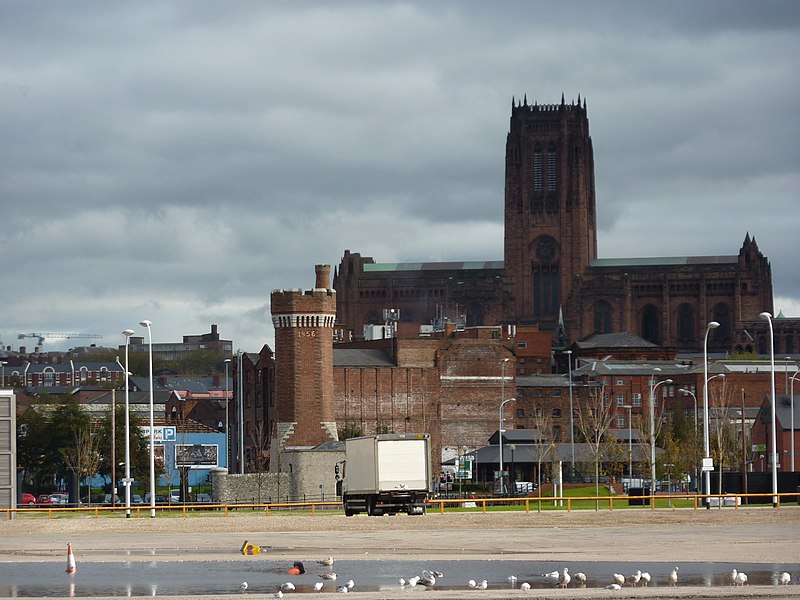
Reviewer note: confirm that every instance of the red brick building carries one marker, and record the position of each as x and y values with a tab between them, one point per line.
551	276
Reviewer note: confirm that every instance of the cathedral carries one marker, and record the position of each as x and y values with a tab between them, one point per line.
550	276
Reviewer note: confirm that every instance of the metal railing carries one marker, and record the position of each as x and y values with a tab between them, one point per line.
528	503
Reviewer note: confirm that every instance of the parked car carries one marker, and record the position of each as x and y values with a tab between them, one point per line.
201	497
27	500
44	500
107	500
136	499
59	499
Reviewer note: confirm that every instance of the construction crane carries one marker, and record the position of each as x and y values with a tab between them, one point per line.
57	335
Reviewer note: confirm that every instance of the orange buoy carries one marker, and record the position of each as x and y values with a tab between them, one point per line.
70	560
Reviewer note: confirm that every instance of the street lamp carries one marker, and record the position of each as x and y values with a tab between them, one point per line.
630	443
791	407
706	444
653	428
500	442
149	325
227	421
768	317
127	481
571	426
688	392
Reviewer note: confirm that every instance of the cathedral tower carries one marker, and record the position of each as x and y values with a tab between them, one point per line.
550	219
303	321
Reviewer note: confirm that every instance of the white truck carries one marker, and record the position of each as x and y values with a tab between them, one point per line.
385	474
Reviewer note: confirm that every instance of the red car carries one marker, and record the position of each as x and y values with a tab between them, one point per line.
44	499
27	500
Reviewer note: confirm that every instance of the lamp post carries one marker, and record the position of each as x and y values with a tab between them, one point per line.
653	428
227	421
688	392
706	444
127	481
791	418
630	442
768	317
571	425
500	442
148	325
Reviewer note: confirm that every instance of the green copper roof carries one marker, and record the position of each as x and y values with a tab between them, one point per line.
656	261
434	266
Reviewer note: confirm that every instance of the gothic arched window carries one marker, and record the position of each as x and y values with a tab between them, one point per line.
721	336
602	317
552	168
537	168
686	330
650	324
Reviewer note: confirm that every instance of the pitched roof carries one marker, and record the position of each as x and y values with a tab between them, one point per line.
623	339
361	357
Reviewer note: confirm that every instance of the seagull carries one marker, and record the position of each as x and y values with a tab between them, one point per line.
326	562
483	585
331	576
427	579
402	582
564	580
243	586
645	579
613	586
413	581
318	586
552	575
342	589
278	594
524	586
619	579
634	579
472	584
437	573
738	578
580	578
785	578
287	587
512	578
673	577
350	583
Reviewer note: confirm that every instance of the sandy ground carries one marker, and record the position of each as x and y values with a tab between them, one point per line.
749	535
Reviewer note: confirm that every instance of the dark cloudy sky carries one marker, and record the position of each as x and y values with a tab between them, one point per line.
178	160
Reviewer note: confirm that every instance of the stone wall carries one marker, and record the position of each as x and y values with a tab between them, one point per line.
301	473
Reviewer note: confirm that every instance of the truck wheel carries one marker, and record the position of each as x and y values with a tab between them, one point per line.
348	512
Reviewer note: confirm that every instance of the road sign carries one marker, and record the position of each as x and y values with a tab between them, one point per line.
163	434
708	464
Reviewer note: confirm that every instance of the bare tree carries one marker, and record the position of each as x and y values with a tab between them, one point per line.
84	457
595	416
259	457
725	441
543	422
643	428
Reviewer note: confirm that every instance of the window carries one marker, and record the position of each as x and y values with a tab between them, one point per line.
522	345
556	393
557	433
552	168
537	393
520	413
556	413
620	399
621	421
537	412
537	168
602	317
636	399
620	382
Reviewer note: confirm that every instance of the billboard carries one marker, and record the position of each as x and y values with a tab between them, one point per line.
196	456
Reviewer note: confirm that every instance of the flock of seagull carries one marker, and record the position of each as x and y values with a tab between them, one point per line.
561	579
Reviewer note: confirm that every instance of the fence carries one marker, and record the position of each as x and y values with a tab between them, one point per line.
690	501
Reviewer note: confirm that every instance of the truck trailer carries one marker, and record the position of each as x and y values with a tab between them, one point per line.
385	474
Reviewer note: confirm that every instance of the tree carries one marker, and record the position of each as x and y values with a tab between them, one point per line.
259	457
595	416
543	421
350	430
83	457
139	447
724	442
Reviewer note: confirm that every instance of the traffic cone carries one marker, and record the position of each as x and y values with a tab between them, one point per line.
70	560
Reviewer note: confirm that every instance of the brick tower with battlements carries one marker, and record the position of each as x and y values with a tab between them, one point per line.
304	407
